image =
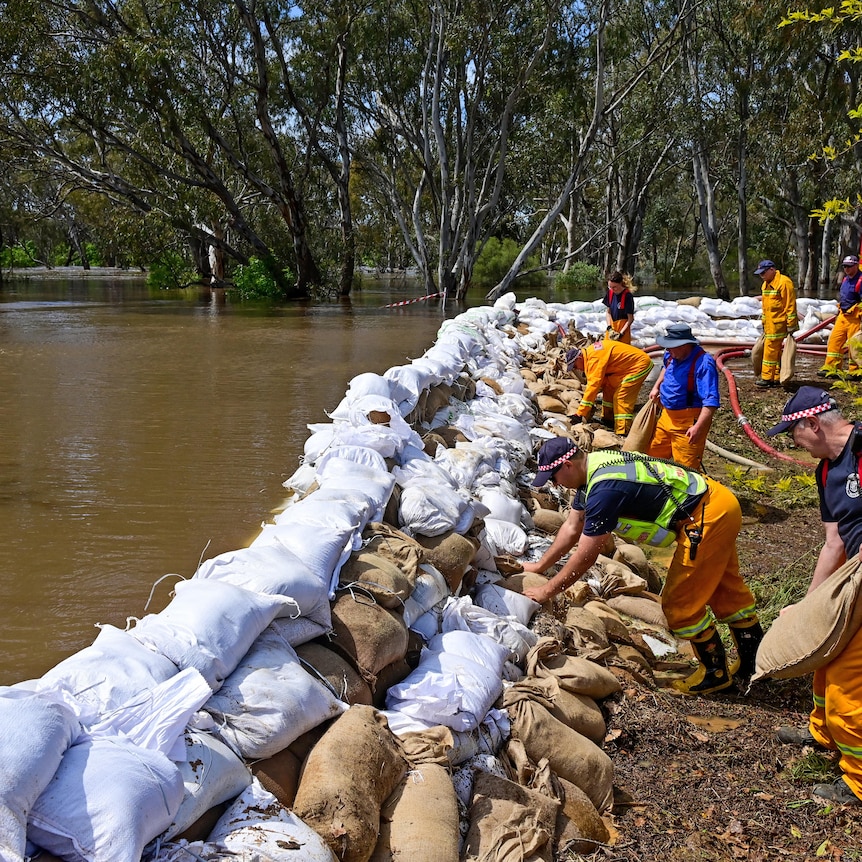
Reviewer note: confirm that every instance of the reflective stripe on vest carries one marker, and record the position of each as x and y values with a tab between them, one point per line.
679	484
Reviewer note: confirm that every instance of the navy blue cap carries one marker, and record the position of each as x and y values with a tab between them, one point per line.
553	453
808	401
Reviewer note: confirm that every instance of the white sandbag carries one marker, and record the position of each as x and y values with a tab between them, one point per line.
320	440
317	510
464	464
416	465
211	774
386	441
36	733
209	625
464	643
324	551
426	626
269	700
257	825
112	671
506	603
430	509
360	456
106	802
505	537
301	480
338	474
446	689
299	630
501	507
430	589
373	384
269	568
155	720
462	615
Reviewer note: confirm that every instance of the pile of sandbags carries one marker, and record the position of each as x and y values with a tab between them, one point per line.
366	674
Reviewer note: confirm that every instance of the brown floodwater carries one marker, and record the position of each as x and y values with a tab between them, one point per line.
143	432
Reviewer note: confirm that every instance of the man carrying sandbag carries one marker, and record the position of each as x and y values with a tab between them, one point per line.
655	502
687	389
816	424
618	371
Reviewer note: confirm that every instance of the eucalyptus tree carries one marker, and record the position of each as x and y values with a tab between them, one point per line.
444	87
638	141
608	92
170	108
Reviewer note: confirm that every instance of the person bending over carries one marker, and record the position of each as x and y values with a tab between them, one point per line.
654	502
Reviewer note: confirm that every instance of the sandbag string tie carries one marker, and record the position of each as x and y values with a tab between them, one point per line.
357	585
316	673
169	575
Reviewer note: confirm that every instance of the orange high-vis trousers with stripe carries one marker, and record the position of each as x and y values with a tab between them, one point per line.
846	326
712	579
836	720
620	393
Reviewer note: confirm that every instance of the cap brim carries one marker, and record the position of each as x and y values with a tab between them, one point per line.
663	341
780	428
542	478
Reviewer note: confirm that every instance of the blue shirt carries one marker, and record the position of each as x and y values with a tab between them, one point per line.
674	389
841	496
612	499
620	305
849	292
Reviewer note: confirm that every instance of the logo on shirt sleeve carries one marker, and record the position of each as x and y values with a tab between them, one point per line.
851	488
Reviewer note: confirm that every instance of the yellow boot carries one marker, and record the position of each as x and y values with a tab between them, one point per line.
712	674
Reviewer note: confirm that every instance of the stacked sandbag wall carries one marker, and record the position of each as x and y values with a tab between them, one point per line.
374	633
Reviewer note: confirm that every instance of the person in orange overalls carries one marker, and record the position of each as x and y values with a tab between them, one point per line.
620	304
779	319
617	370
815	423
848	320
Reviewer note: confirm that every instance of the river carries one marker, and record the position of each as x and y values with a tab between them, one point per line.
144	431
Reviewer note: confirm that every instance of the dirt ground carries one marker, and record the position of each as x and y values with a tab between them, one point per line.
704	778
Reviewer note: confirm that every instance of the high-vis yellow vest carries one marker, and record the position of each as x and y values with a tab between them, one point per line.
680	486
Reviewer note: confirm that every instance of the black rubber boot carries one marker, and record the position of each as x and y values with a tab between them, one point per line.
713	674
747	637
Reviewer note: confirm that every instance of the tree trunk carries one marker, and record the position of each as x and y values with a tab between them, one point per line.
708	219
810	283
824	284
742	194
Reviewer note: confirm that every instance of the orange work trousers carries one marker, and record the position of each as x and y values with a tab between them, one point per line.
619	394
846	326
836	720
712	579
773	341
618	325
669	440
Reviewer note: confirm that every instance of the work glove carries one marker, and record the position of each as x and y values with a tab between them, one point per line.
613	335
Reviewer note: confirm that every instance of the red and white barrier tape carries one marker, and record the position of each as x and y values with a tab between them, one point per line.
411	301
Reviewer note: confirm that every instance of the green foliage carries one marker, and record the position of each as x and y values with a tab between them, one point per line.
94	256
811	768
257	280
18	255
792	489
170	270
579	276
849	12
495	259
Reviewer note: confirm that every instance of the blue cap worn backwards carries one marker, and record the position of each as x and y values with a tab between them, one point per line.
552	454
